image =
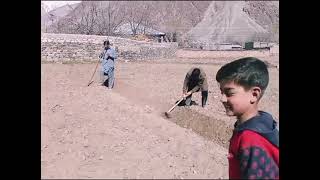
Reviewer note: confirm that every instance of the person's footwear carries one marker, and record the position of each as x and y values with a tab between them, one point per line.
194	103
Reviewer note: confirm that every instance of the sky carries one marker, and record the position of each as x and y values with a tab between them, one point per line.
54	4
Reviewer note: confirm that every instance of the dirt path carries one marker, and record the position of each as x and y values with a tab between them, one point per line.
90	132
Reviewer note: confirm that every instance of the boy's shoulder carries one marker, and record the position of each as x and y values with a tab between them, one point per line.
251	140
261	128
250	137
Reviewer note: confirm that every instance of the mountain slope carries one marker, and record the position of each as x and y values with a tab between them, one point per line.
193	22
47	18
234	22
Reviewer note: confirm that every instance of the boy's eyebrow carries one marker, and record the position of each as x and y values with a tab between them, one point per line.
227	89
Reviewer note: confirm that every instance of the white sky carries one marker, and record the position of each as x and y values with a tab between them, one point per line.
54	4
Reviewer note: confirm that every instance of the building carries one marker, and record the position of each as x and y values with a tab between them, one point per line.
126	30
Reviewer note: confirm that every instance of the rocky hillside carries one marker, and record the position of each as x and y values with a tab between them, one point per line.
193	22
266	14
236	22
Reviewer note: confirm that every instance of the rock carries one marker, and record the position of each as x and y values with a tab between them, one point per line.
148	109
56	107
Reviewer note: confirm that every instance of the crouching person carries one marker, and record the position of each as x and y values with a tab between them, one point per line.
195	81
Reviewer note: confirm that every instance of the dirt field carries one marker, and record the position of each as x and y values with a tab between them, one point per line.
93	132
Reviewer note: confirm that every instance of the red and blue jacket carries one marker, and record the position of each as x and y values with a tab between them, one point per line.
254	149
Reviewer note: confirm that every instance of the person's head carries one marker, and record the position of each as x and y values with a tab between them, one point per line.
106	44
242	84
195	75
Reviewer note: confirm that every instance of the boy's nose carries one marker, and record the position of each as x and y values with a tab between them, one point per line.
223	98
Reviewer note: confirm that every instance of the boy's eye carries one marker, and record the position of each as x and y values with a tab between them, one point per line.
229	94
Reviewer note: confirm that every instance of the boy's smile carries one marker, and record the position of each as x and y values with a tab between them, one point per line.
238	101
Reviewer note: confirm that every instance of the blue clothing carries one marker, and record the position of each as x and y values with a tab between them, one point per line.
108	58
107	79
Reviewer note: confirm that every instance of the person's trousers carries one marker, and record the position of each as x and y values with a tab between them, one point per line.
204	97
188	100
104	76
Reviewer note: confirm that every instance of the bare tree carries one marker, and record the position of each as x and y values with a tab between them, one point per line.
89	18
110	18
138	15
104	17
101	18
82	20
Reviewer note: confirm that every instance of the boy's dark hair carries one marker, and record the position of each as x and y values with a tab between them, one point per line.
247	72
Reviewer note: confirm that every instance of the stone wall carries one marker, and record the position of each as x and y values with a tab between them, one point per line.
77	47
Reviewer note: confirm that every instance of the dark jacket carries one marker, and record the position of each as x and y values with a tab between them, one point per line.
254	149
195	86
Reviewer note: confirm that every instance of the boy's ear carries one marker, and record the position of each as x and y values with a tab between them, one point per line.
255	94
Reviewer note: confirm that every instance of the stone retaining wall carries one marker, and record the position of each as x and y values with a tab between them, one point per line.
78	47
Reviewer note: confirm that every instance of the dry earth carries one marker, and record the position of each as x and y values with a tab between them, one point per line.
93	132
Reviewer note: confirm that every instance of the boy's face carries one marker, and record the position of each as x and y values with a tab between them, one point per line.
237	100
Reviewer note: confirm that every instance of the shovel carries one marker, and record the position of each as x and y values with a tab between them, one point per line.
167	114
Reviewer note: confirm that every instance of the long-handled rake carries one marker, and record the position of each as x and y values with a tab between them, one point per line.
91	81
167	114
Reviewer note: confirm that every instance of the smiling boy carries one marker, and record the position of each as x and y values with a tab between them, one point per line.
254	145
